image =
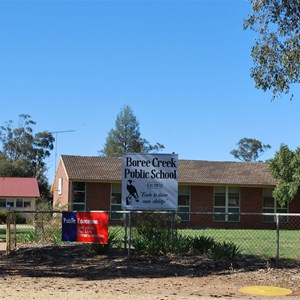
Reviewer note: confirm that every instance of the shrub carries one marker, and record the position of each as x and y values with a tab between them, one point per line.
3	216
113	242
202	244
181	244
45	228
154	234
223	251
28	237
20	218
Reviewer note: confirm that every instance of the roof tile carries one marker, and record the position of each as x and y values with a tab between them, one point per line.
195	172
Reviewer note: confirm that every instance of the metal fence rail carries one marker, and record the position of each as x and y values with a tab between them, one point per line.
279	239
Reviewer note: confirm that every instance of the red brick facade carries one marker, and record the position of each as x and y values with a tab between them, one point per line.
201	201
61	198
98	195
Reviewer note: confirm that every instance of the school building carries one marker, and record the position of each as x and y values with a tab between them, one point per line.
87	183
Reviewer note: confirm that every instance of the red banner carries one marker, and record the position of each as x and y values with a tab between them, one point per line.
92	227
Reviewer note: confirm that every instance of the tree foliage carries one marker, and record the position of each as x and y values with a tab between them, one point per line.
126	136
249	149
23	152
285	168
276	52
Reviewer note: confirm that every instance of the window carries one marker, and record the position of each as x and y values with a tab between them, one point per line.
60	181
6	203
116	201
27	203
270	205
184	202
10	203
78	196
2	202
226	200
20	203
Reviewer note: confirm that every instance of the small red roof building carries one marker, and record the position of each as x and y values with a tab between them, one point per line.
19	187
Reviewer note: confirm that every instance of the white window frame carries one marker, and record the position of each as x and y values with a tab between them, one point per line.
275	208
183	210
14	202
2	201
116	189
226	208
60	185
83	204
7	200
23	203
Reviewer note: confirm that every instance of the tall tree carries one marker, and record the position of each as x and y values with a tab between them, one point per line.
126	136
285	168
249	149
23	152
276	52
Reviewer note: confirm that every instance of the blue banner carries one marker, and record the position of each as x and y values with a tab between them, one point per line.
69	227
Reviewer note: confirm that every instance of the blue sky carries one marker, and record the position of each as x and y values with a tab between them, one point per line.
182	66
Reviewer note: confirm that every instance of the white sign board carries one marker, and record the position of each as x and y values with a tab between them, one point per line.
150	181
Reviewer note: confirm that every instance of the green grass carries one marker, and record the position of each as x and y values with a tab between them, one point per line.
2	234
254	241
257	242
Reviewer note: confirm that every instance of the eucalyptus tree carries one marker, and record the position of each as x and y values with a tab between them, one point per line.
24	152
249	149
276	51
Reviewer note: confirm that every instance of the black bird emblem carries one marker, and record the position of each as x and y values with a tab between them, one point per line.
132	193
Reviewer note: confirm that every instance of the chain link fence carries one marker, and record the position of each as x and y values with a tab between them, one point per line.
131	230
36	228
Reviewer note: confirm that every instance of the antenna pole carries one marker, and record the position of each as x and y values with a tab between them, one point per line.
56	138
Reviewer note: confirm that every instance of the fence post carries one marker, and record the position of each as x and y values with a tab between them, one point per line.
172	226
14	219
8	233
129	238
277	237
125	231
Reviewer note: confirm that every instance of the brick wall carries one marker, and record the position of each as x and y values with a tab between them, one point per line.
201	201
251	201
63	198
98	196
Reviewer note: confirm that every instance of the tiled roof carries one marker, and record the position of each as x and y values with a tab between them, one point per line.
224	172
93	168
19	187
96	168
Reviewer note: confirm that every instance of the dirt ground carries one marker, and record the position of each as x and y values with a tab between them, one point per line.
74	272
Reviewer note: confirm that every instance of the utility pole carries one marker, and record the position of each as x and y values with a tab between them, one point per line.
56	133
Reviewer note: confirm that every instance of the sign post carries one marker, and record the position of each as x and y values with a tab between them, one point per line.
149	181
